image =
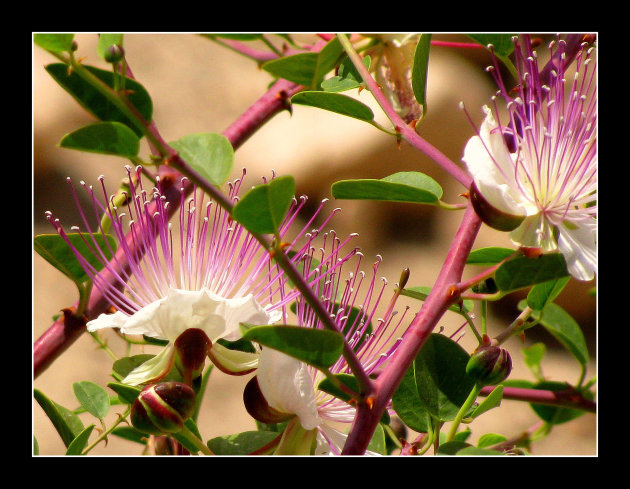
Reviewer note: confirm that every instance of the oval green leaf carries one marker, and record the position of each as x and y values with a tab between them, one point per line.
522	272
298	68
317	347
542	294
564	328
490	402
553	414
262	209
347	77
96	103
414	187
335	102
67	424
488	256
489	439
80	442
131	434
210	154
244	443
92	397
112	138
54	249
57	43
419	70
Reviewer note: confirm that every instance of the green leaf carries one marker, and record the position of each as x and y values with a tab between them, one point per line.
126	393
57	43
35	446
414	187
347	77
452	447
348	380
522	271
377	443
489	439
421	292
488	256
490	402
212	155
532	357
112	138
242	443
542	294
419	71
80	442
67	424
298	68
317	347
263	208
335	102
107	40
478	451
436	382
131	434
92	397
96	103
563	327
327	59
235	37
54	249
503	45
552	414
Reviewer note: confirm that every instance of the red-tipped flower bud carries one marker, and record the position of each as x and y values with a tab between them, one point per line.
162	408
191	350
492	216
114	53
257	405
489	365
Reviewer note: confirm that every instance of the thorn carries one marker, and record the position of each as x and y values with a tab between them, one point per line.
413	123
369	402
522	335
466	195
453	291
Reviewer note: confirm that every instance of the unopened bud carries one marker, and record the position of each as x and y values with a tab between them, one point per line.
257	406
489	365
114	53
493	217
163	408
191	350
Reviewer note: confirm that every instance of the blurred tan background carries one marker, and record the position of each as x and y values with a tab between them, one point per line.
198	86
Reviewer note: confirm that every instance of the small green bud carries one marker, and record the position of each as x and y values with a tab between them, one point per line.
163	408
114	53
492	216
489	365
257	406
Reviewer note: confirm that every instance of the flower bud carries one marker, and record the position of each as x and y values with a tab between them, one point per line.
162	408
492	216
114	53
191	350
489	365
257	405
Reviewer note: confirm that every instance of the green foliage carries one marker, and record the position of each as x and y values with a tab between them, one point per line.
317	347
131	434
490	439
563	327
80	442
123	366
488	256
335	102
67	424
211	155
54	249
107	40
263	208
421	292
532	357
126	393
542	294
491	401
419	70
56	43
95	102
112	138
435	385
92	397
413	187
522	272
244	443
552	414
502	43
347	77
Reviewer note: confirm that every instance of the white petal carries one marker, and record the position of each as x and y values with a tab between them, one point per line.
116	320
287	386
153	369
536	232
579	248
241	310
331	436
233	361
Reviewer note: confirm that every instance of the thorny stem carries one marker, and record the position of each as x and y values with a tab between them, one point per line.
121	418
400	125
419	330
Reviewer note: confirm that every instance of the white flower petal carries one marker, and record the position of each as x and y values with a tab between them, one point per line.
331	436
287	386
241	310
535	232
153	369
233	361
116	320
579	248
